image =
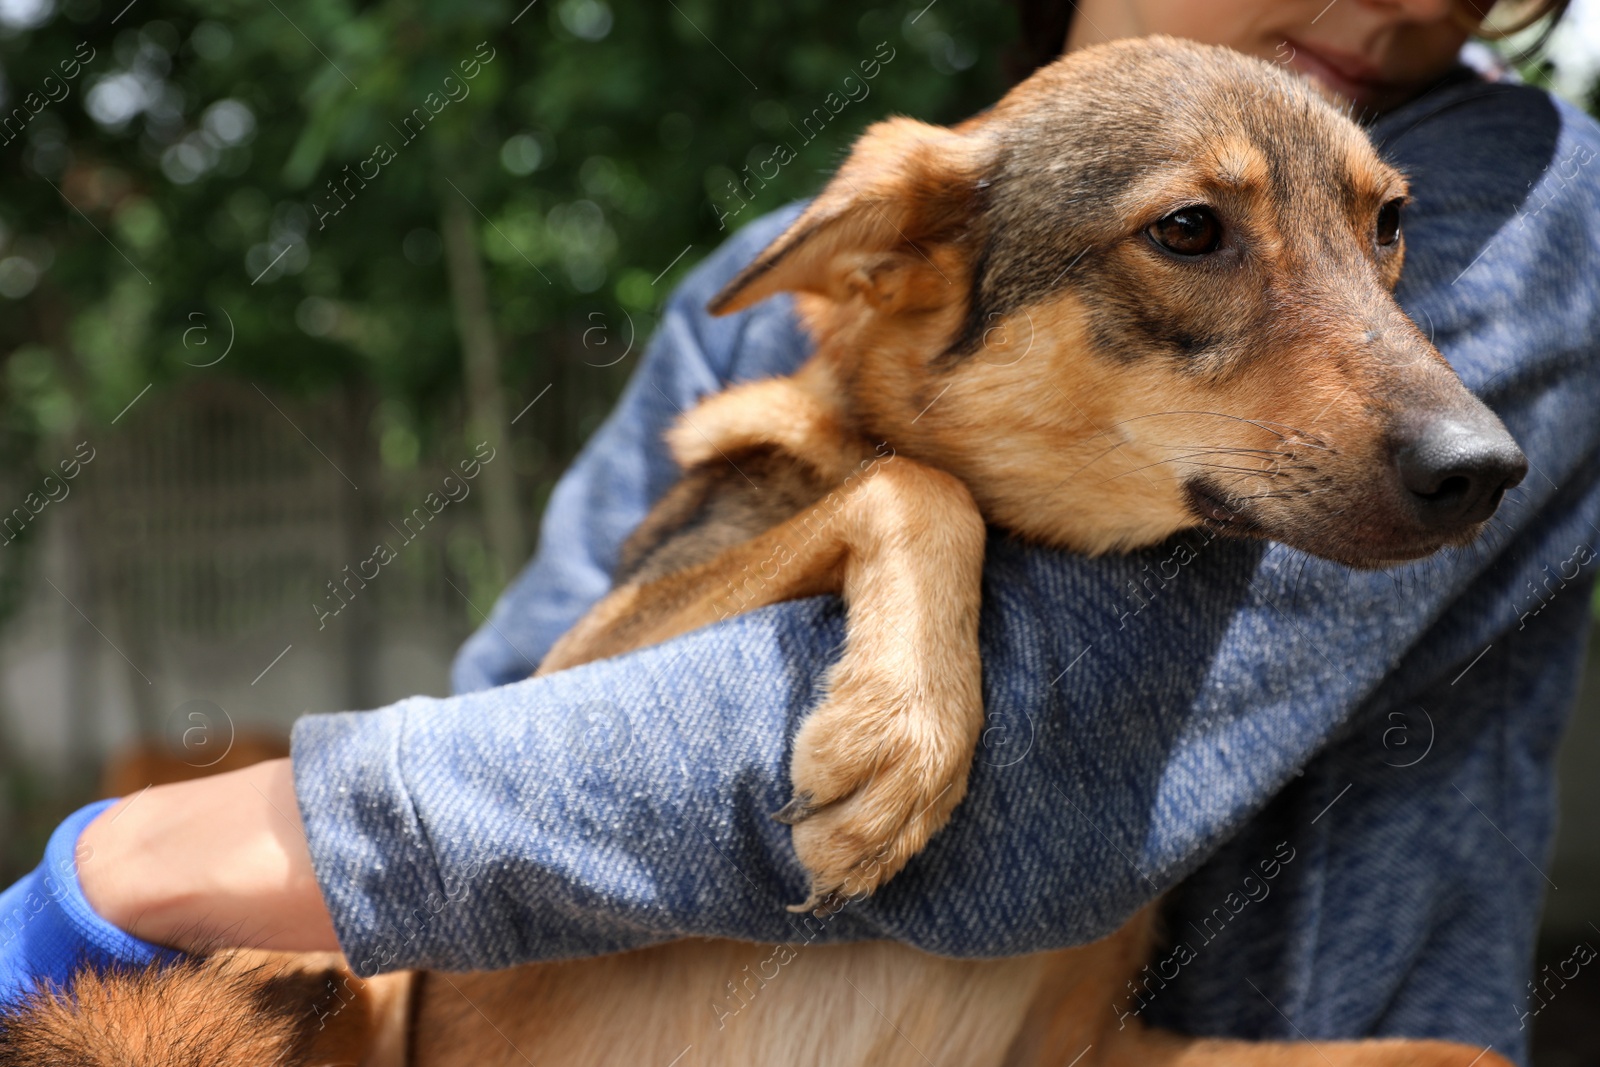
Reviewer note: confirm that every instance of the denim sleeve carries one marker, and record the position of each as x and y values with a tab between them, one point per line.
1199	701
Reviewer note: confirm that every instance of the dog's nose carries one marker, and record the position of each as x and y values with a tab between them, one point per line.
1455	473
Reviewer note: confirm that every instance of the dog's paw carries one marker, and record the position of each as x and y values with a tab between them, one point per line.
877	771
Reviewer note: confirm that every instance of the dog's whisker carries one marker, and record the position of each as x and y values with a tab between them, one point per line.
1231	450
1275	470
1270	469
1240	471
1303	436
1297	496
1096	458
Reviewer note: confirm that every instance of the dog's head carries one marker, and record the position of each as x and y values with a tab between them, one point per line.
1151	288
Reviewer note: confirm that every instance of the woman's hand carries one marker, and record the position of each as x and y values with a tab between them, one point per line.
48	929
221	861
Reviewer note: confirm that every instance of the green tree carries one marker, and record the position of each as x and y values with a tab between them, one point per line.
433	205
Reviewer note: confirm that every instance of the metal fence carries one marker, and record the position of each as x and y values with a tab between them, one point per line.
212	548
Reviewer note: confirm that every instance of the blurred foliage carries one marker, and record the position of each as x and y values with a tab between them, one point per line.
178	182
1540	70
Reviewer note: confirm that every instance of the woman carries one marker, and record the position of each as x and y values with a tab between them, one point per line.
1351	770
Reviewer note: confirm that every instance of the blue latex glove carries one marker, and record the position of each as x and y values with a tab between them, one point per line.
47	928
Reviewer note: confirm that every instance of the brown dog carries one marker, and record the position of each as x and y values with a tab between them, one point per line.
1150	289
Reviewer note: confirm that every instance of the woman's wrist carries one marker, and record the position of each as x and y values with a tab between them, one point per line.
218	862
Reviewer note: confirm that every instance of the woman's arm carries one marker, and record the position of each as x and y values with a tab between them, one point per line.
218	861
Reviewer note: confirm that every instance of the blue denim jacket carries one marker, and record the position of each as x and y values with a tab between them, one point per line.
1343	780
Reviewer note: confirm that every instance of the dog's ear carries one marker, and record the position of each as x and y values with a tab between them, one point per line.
906	184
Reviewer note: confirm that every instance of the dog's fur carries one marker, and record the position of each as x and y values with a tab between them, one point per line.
998	341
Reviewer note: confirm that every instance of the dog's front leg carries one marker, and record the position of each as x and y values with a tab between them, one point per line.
881	763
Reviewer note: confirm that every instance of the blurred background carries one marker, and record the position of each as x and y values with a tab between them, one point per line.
270	272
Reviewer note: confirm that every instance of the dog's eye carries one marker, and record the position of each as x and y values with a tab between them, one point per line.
1389	223
1191	231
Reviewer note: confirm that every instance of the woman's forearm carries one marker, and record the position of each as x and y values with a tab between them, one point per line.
218	861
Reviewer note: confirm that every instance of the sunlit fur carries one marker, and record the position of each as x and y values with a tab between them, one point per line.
234	1009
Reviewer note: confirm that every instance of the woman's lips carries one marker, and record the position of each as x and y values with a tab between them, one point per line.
1349	75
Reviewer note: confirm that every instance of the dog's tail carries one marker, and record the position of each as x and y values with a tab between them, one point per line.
237	1009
